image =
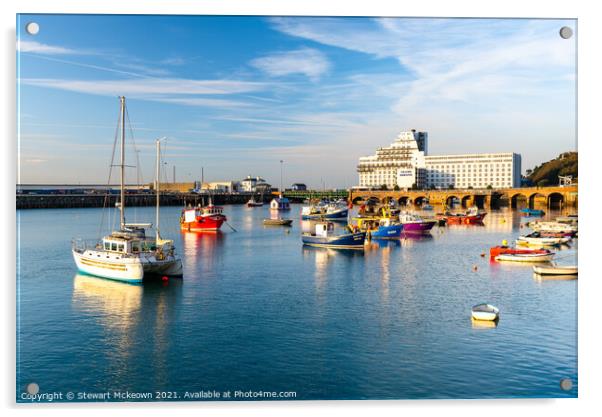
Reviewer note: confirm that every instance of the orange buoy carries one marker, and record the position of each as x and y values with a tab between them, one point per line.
474	268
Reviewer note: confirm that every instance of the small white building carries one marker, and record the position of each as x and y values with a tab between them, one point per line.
249	184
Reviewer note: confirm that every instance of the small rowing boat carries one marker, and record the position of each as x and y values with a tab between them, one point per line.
526	257
472	216
485	312
555	270
278	222
537	238
507	250
553	227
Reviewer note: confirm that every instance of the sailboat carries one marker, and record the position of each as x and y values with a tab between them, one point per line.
128	254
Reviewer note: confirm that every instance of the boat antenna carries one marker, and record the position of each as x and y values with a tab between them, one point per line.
122	165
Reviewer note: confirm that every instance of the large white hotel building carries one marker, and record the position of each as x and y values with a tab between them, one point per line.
406	162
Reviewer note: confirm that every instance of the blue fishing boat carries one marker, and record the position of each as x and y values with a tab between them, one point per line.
532	212
323	235
380	228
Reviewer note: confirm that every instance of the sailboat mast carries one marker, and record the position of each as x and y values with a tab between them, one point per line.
122	165
157	182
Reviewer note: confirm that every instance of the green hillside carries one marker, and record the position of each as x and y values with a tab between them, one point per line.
548	172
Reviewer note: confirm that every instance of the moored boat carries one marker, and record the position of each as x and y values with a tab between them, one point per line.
413	223
507	250
254	203
570	219
380	228
278	222
532	212
325	211
323	236
485	312
200	219
537	238
128	254
555	269
471	216
555	227
525	257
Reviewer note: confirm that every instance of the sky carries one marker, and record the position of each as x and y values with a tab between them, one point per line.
237	95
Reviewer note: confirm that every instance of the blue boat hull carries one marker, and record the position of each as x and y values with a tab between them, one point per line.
532	212
347	241
387	232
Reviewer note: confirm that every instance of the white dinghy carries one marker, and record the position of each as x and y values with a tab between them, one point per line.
485	312
526	257
555	269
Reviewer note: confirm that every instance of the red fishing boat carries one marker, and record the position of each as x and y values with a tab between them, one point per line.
507	250
472	216
200	219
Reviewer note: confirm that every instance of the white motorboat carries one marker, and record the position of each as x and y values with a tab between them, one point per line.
485	312
128	254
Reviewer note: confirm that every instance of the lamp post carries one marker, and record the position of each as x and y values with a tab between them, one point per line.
281	186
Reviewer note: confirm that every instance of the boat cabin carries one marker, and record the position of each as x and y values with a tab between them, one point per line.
280	203
122	244
324	229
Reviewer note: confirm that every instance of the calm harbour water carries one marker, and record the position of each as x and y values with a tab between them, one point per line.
257	311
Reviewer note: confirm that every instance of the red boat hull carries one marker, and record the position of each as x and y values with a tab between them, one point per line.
204	223
506	250
476	219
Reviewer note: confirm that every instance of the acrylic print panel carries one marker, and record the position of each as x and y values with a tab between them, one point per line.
295	208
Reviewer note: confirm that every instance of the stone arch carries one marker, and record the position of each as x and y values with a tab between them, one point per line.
556	201
358	199
481	201
537	199
466	200
420	200
450	200
518	200
404	201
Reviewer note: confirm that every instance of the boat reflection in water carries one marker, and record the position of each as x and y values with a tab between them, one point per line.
484	324
544	278
203	247
134	320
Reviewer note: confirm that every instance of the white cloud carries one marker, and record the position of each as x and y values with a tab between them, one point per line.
309	62
40	48
148	86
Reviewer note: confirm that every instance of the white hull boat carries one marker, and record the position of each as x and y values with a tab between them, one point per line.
542	241
485	312
555	270
526	257
555	227
127	254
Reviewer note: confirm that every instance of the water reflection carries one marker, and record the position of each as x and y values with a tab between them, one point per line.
197	246
484	324
544	278
134	318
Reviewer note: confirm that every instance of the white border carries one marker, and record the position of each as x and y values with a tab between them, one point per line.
589	27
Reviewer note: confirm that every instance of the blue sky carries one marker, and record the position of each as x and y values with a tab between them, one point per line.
236	95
